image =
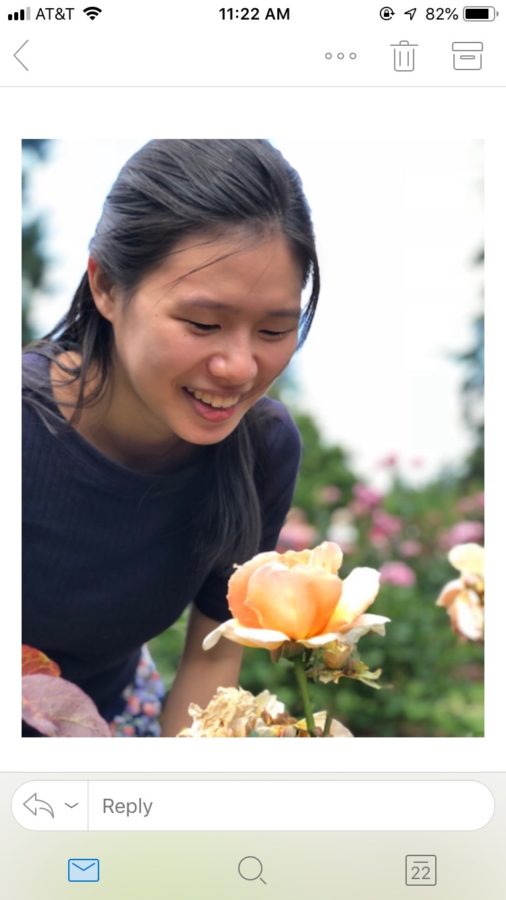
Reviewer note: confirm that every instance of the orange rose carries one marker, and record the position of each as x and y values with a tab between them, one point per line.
298	596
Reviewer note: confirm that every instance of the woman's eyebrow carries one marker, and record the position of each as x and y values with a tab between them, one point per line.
292	313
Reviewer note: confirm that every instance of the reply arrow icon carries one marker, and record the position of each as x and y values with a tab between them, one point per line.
37	805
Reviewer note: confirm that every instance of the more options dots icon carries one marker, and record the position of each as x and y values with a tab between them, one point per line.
340	55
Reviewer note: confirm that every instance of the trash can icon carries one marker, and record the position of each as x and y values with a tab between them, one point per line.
404	56
467	54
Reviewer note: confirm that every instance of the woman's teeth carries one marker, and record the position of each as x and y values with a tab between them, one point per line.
214	400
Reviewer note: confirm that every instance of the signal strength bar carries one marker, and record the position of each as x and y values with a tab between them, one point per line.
22	16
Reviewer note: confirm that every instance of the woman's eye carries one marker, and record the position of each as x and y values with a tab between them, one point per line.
276	334
205	329
201	326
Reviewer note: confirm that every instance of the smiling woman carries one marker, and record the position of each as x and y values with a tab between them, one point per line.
153	461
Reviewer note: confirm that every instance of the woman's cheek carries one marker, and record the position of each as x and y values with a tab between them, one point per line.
279	360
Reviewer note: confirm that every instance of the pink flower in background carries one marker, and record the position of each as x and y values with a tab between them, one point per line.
410	548
378	538
397	573
462	533
296	533
417	462
388	461
384	522
473	504
365	499
329	494
366	494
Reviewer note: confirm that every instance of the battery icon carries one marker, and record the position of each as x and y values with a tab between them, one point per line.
479	13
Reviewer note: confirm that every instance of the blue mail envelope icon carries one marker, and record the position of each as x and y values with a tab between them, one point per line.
83	869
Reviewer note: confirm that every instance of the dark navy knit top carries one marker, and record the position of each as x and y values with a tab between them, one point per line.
108	556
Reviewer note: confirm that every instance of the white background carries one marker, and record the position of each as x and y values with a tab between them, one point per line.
432	115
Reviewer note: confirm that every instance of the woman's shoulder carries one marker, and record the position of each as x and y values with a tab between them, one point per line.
34	376
34	362
278	428
39	407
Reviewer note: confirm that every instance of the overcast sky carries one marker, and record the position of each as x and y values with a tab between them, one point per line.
397	226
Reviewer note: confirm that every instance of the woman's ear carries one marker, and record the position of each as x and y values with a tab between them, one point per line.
102	291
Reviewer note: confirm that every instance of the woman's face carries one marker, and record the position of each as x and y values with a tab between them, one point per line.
205	335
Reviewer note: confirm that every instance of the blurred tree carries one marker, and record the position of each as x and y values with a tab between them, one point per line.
33	260
473	391
322	466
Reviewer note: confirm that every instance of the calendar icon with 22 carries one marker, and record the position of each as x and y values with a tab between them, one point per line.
421	870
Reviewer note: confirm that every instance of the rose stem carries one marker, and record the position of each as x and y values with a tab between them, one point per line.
328	722
302	682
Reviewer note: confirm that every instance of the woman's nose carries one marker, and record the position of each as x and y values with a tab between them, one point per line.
236	365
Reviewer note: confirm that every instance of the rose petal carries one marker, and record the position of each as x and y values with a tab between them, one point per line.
238	588
337	729
297	601
467	616
449	593
248	637
320	640
359	591
291	558
468	558
328	556
362	625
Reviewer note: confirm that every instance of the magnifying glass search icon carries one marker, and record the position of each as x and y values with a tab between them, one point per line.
250	868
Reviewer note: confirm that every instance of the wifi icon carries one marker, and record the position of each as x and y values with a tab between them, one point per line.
92	12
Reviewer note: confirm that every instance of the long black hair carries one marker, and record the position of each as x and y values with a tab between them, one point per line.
167	191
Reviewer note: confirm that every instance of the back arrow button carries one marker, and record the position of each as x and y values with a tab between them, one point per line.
16	56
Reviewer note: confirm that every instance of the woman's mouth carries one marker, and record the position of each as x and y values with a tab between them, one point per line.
212	407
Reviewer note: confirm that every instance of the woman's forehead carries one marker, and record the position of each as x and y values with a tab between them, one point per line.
215	270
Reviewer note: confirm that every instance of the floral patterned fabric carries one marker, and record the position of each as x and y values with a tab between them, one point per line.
143	702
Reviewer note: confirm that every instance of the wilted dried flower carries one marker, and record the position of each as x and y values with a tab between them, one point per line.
232	712
335	655
464	597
